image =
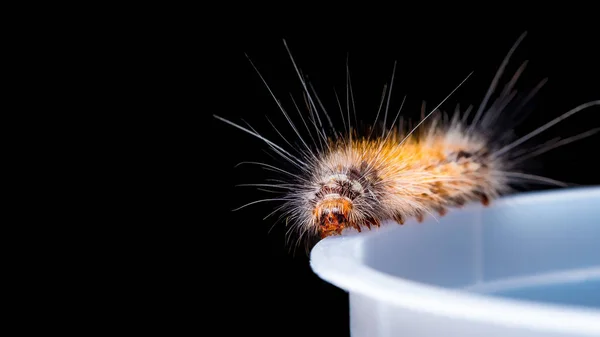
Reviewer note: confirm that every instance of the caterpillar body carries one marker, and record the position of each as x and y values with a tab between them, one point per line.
346	179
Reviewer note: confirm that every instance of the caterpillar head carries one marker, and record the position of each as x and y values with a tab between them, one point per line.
332	214
342	202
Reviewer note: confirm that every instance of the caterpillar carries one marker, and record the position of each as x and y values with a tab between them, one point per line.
346	178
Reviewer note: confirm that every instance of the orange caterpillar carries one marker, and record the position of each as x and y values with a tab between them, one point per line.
363	182
357	181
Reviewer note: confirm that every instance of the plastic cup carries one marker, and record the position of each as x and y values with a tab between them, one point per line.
527	265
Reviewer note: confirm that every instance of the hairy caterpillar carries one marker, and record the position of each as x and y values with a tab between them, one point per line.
351	179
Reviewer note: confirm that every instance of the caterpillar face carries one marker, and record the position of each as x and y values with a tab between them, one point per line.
334	203
340	199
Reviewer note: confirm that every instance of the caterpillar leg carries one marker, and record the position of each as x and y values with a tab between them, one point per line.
356	226
485	200
420	217
399	218
442	211
460	203
372	222
367	224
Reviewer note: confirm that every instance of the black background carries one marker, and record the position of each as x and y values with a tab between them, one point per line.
270	290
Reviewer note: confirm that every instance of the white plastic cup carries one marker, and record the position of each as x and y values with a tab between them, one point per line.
527	265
